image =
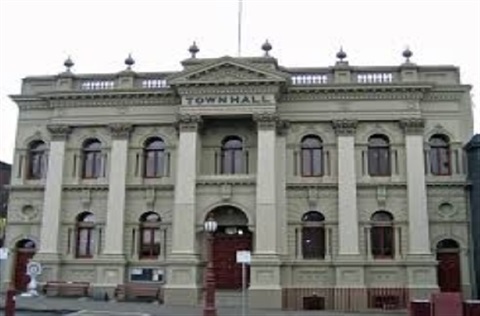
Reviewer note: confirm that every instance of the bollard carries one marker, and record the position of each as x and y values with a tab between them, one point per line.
10	302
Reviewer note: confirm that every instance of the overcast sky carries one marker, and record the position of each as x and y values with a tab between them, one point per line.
36	36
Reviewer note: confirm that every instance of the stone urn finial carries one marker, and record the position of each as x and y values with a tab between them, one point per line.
194	50
68	63
129	61
407	53
267	47
341	55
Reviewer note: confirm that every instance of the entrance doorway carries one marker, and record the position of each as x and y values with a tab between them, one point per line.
24	249
448	271
231	236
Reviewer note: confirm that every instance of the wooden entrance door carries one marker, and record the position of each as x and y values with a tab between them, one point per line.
25	249
228	273
449	279
21	278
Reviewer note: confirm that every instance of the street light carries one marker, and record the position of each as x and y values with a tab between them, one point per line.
209	308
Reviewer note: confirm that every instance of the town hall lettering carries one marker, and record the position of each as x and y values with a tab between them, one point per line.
228	100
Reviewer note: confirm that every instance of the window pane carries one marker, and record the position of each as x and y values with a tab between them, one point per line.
98	165
384	157
159	163
84	242
306	162
444	161
317	162
88	165
149	164
313	242
382	241
372	161
227	162
434	161
238	161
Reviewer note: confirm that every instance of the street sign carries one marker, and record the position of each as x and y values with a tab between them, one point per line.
244	256
34	268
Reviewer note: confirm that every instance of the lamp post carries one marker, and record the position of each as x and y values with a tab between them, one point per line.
209	308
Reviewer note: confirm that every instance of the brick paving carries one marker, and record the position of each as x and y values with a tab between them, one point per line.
87	307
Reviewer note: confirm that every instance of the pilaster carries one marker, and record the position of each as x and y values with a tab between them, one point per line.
53	190
114	228
281	150
182	272
265	239
347	188
48	252
418	232
183	242
265	287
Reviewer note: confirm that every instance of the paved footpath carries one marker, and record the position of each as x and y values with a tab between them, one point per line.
86	307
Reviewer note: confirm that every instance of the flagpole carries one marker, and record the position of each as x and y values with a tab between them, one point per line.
239	28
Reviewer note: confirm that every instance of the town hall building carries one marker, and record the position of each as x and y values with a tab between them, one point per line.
347	184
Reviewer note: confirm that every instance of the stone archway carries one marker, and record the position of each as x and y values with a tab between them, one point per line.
231	236
24	251
448	271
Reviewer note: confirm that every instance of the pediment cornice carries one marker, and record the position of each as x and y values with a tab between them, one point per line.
356	92
227	71
71	100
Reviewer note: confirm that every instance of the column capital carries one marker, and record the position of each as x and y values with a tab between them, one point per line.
282	127
345	127
59	131
266	120
188	122
412	126
120	130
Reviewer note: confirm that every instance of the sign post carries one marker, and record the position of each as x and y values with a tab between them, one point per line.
34	269
244	257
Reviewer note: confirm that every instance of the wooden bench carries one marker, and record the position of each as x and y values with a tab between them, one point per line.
139	291
68	289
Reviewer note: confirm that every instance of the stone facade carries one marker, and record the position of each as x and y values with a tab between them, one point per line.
269	109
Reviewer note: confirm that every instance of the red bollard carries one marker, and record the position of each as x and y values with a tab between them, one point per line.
10	302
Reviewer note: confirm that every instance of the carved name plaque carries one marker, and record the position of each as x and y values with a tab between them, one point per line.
232	99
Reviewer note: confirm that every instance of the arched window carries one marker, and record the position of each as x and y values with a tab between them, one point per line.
382	237
313	235
379	155
92	158
154	158
232	155
84	229
439	155
149	236
37	160
312	162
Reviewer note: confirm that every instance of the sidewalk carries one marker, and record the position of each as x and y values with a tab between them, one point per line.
87	307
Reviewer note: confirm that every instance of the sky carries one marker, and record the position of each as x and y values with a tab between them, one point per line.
36	36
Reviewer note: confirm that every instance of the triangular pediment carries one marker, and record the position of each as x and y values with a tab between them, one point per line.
227	70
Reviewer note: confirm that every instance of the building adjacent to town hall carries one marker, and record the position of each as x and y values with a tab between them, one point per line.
348	184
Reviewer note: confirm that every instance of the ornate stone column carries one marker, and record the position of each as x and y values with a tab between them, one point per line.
52	202
281	181
347	187
182	274
421	271
418	226
116	190
265	287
